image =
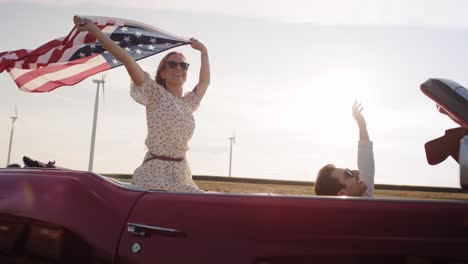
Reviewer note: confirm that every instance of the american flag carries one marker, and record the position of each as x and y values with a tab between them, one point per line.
71	59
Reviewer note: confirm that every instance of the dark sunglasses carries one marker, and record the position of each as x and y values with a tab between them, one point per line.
348	173
173	64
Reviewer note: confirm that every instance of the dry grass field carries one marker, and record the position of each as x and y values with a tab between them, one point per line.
237	187
246	186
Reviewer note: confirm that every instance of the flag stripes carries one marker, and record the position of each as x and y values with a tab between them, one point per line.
69	60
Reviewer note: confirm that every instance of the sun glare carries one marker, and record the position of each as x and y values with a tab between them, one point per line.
326	100
342	84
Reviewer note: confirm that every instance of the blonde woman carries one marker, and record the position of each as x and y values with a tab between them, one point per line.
168	112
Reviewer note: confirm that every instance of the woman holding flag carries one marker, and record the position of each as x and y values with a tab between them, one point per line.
168	112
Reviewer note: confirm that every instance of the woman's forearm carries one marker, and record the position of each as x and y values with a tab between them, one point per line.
204	69
109	45
204	77
134	70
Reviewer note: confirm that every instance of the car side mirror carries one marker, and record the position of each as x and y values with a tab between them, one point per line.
463	160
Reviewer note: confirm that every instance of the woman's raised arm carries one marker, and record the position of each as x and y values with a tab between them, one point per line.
134	70
204	78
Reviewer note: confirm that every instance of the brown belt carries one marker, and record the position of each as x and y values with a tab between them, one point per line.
166	158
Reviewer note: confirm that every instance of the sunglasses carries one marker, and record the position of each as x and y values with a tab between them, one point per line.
348	173
173	65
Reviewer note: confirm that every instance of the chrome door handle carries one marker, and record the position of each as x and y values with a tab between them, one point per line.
142	230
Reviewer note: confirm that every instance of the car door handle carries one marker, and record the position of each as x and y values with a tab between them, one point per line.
142	230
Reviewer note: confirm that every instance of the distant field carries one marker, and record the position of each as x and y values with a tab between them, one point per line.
245	186
236	187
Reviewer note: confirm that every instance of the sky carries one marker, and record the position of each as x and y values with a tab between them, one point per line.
284	78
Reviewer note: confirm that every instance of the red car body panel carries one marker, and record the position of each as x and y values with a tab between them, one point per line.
240	229
89	211
57	216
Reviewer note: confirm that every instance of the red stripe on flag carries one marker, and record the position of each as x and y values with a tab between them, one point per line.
68	43
34	55
9	62
58	53
21	53
48	67
72	80
90	38
72	33
25	78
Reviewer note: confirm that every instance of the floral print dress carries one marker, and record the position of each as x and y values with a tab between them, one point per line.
170	126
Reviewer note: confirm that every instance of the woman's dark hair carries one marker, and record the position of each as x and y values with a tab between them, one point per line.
325	183
159	80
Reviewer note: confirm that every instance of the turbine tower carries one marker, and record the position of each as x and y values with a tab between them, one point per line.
13	119
96	108
232	140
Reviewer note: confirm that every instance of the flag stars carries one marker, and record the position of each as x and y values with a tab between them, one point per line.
153	40
82	55
115	61
138	51
126	39
127	49
124	29
151	47
117	42
93	46
138	34
140	45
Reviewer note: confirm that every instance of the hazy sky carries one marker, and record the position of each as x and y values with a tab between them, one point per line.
284	77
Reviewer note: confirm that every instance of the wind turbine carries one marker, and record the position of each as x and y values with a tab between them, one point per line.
13	119
232	140
96	108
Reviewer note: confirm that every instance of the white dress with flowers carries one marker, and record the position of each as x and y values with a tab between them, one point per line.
170	126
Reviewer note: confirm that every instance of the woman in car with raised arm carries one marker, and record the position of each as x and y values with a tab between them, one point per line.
343	181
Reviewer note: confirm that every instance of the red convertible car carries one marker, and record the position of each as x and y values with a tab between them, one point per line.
65	216
58	216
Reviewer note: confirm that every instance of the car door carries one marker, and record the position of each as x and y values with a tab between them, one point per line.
213	228
221	228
